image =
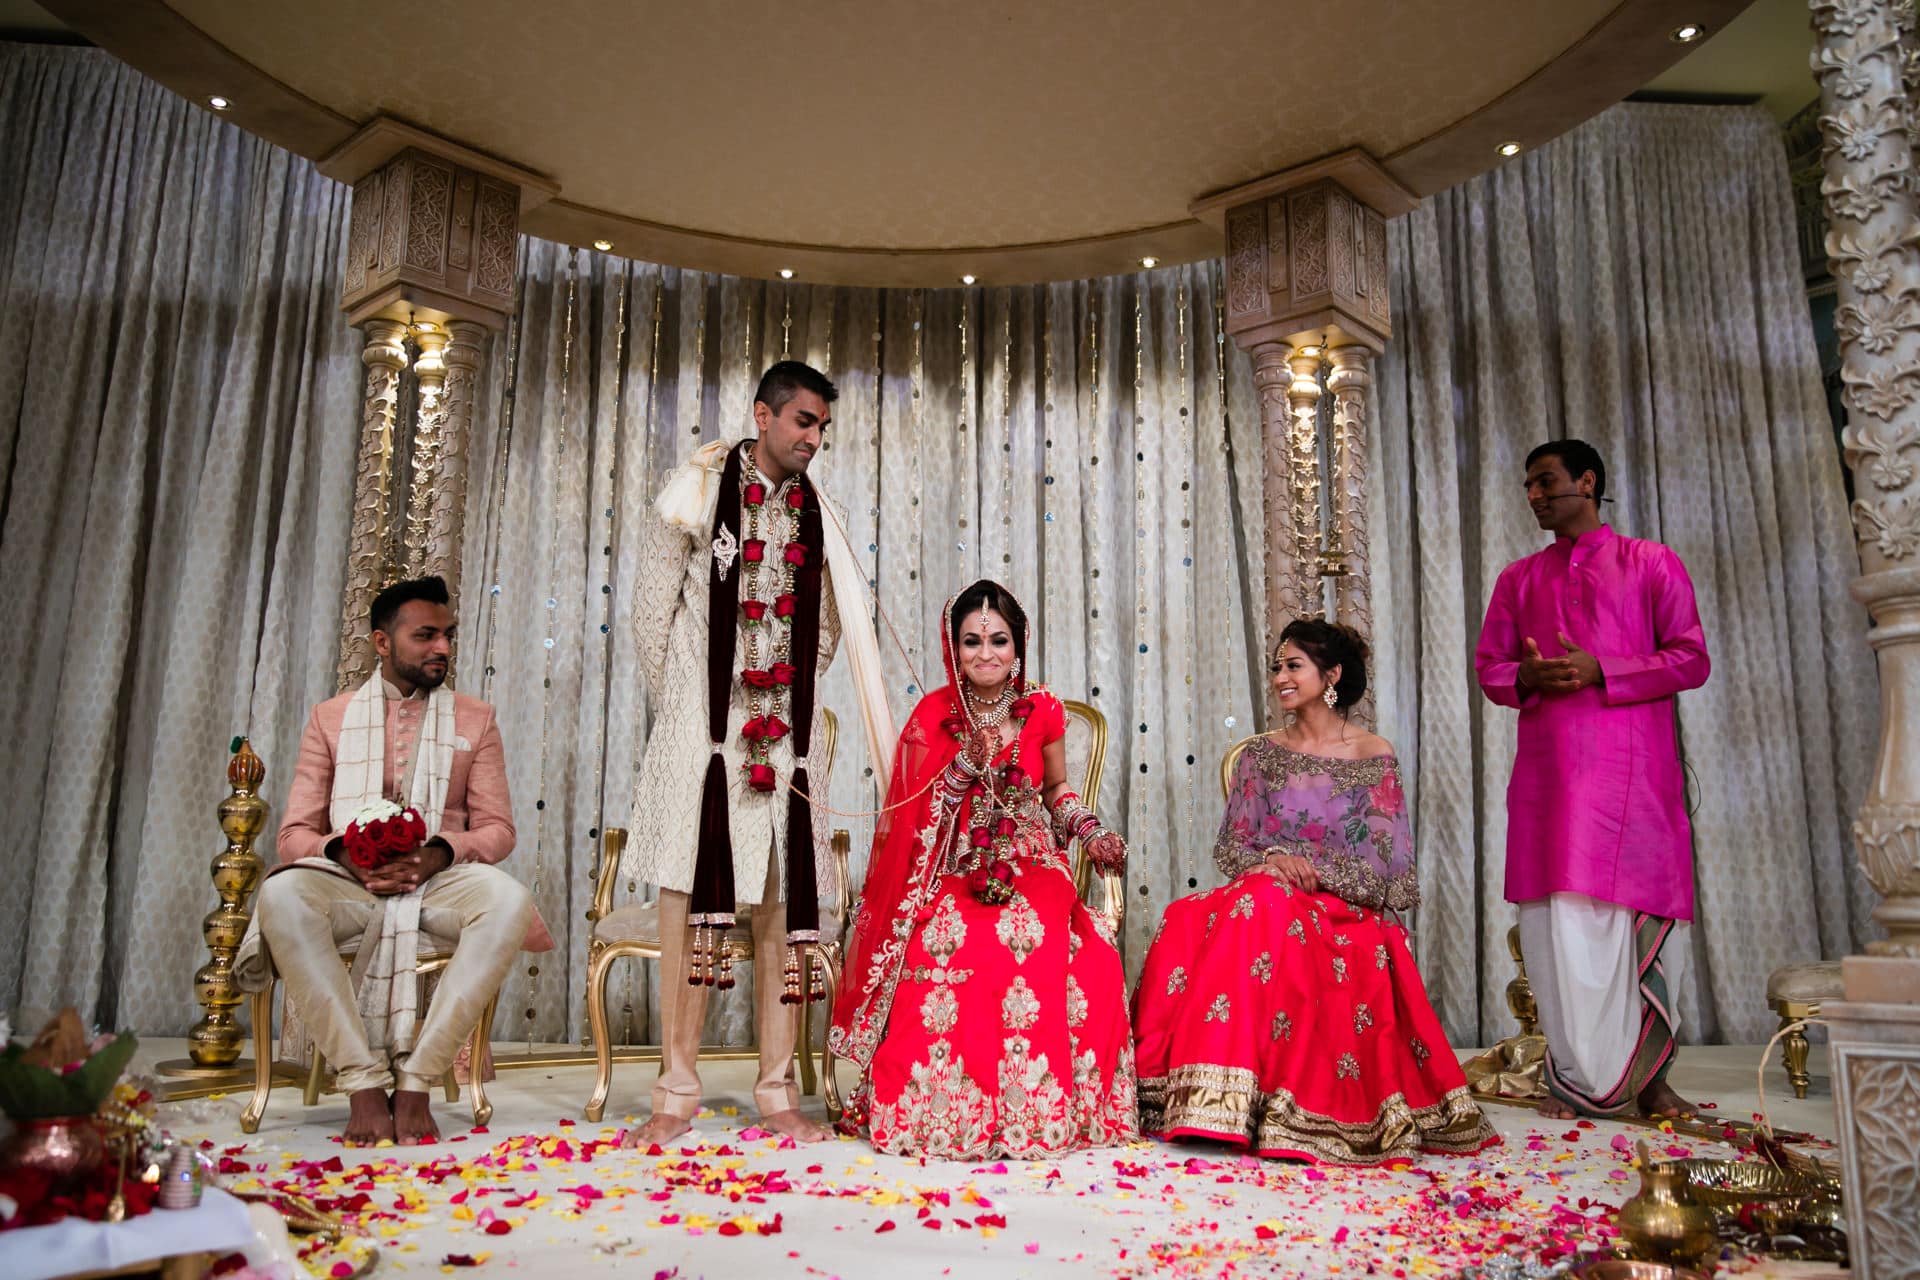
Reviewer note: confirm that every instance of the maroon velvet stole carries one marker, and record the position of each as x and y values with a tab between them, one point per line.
711	908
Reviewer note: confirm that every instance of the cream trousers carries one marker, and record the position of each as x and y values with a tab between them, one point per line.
307	916
683	1009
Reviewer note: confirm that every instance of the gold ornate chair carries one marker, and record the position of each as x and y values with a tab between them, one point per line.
435	953
1086	747
633	932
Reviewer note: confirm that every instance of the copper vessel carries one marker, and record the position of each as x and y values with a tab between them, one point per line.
1664	1223
64	1148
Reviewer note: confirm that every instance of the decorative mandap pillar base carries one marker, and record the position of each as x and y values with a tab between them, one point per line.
1876	1089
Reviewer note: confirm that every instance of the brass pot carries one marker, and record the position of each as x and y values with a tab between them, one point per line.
64	1148
1664	1223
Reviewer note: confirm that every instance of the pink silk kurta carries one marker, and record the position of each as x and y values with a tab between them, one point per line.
1597	804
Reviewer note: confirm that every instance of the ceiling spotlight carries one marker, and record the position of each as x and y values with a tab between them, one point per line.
966	279
1508	148
218	103
786	273
1149	263
603	245
1687	33
425	326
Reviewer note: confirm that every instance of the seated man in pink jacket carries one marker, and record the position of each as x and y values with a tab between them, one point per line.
405	738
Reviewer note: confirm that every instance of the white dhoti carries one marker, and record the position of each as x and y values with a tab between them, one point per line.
1602	977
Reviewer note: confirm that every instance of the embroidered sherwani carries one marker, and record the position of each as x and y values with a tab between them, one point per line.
1599	850
670	624
672	628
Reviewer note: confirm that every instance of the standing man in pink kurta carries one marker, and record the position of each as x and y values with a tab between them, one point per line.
1592	638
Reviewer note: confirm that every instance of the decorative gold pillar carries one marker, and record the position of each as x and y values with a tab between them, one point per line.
385	356
1868	115
1306	283
213	1044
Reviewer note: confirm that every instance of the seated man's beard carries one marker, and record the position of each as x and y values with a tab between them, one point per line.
422	677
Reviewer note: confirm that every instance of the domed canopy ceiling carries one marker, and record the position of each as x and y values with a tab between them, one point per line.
882	141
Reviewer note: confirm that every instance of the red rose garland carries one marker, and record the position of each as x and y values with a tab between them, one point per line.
765	723
990	838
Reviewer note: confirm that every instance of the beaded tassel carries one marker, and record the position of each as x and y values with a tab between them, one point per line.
725	953
791	993
817	983
700	971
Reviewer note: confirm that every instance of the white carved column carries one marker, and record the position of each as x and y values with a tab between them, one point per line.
1873	244
385	356
465	357
1347	560
1286	577
429	423
1306	283
1303	398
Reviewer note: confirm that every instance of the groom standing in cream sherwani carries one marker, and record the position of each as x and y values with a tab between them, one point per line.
406	738
744	590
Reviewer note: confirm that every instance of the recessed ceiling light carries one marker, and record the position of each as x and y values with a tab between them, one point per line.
218	103
966	279
786	273
1509	148
1149	263
603	245
1686	33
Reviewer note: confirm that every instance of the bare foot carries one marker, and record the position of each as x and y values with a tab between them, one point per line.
1659	1101
1551	1108
659	1130
370	1119
795	1126
413	1119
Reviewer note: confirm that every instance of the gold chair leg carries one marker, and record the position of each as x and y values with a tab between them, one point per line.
1794	1050
450	1082
316	1074
830	1084
263	1050
809	1082
476	1074
602	1036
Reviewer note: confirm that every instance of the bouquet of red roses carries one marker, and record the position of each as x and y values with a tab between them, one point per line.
383	832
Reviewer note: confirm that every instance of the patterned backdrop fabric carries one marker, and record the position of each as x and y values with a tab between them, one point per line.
177	397
1637	285
180	398
1072	440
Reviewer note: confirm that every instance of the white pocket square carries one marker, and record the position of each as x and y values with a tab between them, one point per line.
461	744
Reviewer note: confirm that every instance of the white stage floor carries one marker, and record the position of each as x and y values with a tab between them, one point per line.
704	1208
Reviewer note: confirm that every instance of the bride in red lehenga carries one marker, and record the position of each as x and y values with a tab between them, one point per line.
983	1002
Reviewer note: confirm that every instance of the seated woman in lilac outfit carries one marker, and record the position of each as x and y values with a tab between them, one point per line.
1282	1012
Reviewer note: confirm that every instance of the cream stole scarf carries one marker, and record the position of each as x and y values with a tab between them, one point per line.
383	968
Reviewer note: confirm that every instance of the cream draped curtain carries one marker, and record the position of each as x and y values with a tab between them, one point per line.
1082	443
177	394
1636	284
